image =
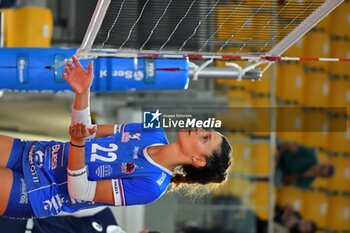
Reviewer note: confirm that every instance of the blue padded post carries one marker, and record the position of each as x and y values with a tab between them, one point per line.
28	69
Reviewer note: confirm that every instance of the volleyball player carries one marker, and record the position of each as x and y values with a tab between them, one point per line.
117	165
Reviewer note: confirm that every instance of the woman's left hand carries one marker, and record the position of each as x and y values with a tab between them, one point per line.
78	132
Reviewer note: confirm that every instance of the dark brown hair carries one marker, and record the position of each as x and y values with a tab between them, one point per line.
215	170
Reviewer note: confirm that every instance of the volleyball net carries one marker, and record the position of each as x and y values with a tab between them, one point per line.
256	31
247	35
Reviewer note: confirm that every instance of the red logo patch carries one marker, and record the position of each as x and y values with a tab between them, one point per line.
128	168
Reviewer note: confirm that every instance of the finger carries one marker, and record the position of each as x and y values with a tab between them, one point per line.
80	129
76	61
92	130
91	68
66	68
64	76
88	131
76	128
80	124
70	65
70	129
83	129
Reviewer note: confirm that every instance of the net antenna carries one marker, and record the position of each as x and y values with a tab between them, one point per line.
93	28
255	31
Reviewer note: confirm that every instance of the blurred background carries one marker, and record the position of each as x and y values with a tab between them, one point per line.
310	189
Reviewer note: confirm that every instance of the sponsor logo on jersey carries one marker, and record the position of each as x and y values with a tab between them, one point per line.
39	158
128	168
119	198
57	201
161	179
127	136
116	187
54	156
104	170
31	160
135	152
24	193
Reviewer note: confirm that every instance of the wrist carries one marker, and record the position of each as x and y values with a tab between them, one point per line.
82	100
84	93
77	142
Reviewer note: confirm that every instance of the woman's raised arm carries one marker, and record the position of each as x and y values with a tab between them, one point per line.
80	80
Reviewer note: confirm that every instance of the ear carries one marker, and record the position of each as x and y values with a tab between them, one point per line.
198	161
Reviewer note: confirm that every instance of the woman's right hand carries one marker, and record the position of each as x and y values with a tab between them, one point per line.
78	132
77	77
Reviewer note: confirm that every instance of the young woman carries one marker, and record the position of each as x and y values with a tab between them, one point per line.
103	165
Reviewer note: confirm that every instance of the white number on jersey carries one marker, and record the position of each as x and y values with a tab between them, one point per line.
111	156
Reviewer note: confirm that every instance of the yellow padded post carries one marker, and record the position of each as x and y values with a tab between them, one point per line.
28	27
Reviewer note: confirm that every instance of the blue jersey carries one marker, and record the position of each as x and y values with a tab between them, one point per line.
122	156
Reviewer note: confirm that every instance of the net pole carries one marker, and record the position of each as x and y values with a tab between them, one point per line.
305	26
226	73
328	59
94	26
272	146
272	142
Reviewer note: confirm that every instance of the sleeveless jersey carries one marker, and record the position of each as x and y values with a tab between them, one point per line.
122	156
